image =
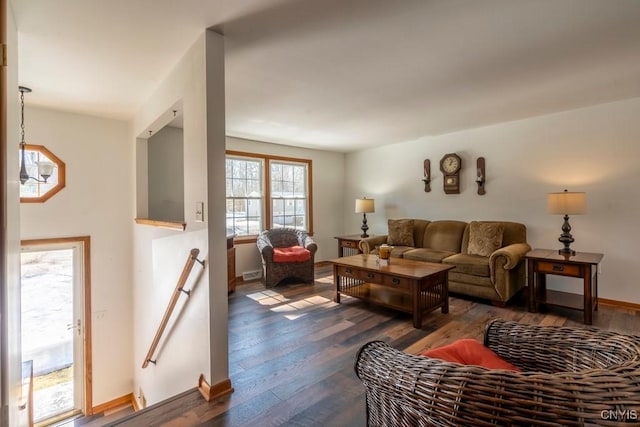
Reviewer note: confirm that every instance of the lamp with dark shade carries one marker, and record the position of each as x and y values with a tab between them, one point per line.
566	203
365	206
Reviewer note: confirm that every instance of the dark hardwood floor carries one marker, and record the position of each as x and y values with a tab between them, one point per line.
292	351
99	419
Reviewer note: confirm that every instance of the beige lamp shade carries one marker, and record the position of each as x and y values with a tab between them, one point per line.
567	203
365	205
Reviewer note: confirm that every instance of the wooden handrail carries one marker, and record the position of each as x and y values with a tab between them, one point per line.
193	257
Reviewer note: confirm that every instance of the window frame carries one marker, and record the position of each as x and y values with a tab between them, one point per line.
62	180
247	198
268	201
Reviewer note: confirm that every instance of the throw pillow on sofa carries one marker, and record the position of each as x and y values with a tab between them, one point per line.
400	232
484	238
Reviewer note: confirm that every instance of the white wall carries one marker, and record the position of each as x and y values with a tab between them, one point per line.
594	149
166	174
193	346
216	193
328	195
96	202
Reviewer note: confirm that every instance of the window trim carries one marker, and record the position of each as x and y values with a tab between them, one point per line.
267	158
62	179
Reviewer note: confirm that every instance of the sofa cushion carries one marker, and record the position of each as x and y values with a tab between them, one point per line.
475	265
399	251
419	226
400	232
461	281
291	254
444	235
428	255
470	352
484	238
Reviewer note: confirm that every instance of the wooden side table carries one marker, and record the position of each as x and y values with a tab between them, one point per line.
348	244
582	265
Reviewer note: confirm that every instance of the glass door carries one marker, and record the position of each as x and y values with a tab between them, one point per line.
52	328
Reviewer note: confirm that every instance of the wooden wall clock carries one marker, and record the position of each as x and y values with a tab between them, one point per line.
450	166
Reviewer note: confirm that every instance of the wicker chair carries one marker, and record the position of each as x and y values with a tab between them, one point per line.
275	272
570	377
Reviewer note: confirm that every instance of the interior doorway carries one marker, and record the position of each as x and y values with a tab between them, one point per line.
56	331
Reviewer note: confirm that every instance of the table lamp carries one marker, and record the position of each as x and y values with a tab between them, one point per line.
365	206
566	203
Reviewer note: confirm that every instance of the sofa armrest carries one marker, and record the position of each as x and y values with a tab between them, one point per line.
368	245
506	269
513	254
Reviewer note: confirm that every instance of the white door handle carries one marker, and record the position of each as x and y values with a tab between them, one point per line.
76	326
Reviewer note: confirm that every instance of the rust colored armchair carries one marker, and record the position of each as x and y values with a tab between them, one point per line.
276	270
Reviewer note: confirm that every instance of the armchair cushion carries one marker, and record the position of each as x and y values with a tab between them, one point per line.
470	352
291	254
400	232
484	237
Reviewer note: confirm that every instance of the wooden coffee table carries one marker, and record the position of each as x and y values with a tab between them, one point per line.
410	286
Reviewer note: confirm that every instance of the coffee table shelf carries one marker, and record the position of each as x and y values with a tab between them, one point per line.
381	295
410	286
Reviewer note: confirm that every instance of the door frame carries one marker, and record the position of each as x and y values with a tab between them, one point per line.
85	242
6	363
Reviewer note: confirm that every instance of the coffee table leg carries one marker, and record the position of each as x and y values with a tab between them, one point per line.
417	318
336	281
445	293
417	306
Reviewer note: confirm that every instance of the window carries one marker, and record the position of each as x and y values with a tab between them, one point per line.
35	190
289	195
244	195
275	191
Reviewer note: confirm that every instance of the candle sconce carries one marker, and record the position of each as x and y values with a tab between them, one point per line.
427	175
480	175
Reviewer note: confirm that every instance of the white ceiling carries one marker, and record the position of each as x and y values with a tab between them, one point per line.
339	74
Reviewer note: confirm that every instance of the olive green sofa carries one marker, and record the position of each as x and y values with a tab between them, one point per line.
495	275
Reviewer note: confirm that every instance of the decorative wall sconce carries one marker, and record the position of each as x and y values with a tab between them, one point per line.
480	175
427	175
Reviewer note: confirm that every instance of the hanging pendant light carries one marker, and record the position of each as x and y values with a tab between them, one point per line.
45	169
